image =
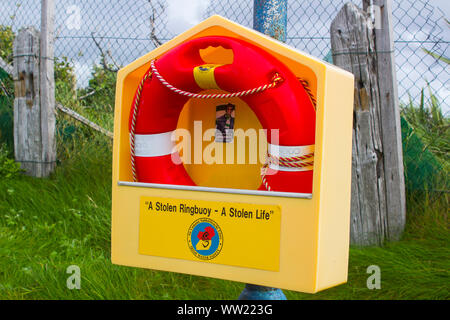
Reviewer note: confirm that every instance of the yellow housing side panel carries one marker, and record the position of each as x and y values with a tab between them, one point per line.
335	184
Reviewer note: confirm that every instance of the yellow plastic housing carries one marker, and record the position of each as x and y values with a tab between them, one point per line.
313	232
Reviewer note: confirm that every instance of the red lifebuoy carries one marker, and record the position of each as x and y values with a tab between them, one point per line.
284	105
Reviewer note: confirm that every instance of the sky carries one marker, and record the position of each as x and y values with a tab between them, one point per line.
123	27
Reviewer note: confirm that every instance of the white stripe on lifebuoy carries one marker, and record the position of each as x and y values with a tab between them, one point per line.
288	152
279	168
154	145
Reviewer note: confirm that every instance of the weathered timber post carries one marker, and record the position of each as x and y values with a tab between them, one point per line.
354	49
269	17
27	108
34	103
47	78
390	115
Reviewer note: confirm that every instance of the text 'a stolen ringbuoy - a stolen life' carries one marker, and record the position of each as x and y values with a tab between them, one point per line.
225	211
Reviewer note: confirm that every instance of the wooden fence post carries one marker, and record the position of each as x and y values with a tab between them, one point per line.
354	49
47	78
34	103
27	109
390	115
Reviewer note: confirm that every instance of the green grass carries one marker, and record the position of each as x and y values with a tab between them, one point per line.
49	224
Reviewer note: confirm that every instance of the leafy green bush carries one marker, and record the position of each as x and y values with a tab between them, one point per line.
6	88
65	80
425	141
425	133
8	167
95	102
430	124
6	43
6	109
421	167
101	89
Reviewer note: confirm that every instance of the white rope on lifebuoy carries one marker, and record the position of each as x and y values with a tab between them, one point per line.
275	81
287	158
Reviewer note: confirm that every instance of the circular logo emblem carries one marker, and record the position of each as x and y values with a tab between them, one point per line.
205	239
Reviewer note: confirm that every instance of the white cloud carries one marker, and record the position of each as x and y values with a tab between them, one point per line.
183	14
444	5
82	73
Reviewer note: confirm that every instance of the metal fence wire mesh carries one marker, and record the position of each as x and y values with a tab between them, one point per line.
124	30
120	31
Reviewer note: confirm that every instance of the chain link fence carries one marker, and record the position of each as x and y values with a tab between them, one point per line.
114	33
123	30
